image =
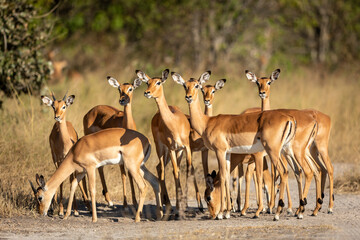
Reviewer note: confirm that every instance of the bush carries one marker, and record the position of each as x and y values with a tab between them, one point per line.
23	35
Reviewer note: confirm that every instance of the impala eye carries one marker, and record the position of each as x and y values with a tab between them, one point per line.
130	89
63	107
40	199
269	83
213	91
158	83
196	86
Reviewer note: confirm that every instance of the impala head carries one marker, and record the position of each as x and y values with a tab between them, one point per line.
209	91
212	195
264	82
126	90
59	106
41	195
154	89
192	85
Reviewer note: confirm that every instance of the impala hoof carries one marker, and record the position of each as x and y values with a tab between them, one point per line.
219	216
330	211
276	218
227	215
289	211
76	213
243	214
255	217
110	204
300	216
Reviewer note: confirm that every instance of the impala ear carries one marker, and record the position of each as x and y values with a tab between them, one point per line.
220	84
177	78
41	181
143	77
275	75
70	100
251	76
165	75
137	82
113	82
213	174
47	101
204	77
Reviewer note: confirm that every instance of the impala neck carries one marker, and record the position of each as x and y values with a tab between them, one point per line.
128	120
197	118
64	132
164	109
65	169
265	104
208	110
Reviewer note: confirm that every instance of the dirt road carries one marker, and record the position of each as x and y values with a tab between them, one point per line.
118	223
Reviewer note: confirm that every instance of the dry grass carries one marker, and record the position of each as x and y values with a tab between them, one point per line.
25	124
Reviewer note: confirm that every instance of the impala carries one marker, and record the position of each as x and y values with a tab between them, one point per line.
305	132
196	142
62	137
103	116
109	146
246	133
208	96
171	130
320	147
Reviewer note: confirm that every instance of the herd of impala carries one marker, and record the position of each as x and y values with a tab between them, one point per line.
298	138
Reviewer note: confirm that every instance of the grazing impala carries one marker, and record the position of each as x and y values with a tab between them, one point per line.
320	148
103	116
246	133
109	146
171	130
62	138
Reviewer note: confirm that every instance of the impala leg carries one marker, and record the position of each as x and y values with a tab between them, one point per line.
204	159
272	191
249	171
154	182
76	213
61	204
240	169
177	182
133	196
123	178
192	172
267	180
74	184
92	188
222	171
105	190
283	178
136	173
259	161
83	189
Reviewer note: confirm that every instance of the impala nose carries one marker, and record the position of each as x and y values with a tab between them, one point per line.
207	102
188	99
147	94
262	94
57	118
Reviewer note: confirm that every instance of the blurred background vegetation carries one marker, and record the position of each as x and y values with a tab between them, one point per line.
74	45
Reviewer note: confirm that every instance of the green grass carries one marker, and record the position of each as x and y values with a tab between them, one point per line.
26	124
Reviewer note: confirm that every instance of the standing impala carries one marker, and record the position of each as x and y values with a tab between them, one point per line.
103	116
171	130
319	148
62	137
208	96
196	142
110	146
246	133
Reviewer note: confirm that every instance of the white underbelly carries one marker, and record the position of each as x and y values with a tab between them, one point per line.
247	149
111	161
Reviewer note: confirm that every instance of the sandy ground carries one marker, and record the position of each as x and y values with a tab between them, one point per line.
117	223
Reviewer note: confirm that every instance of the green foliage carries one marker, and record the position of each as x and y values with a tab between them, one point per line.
23	66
